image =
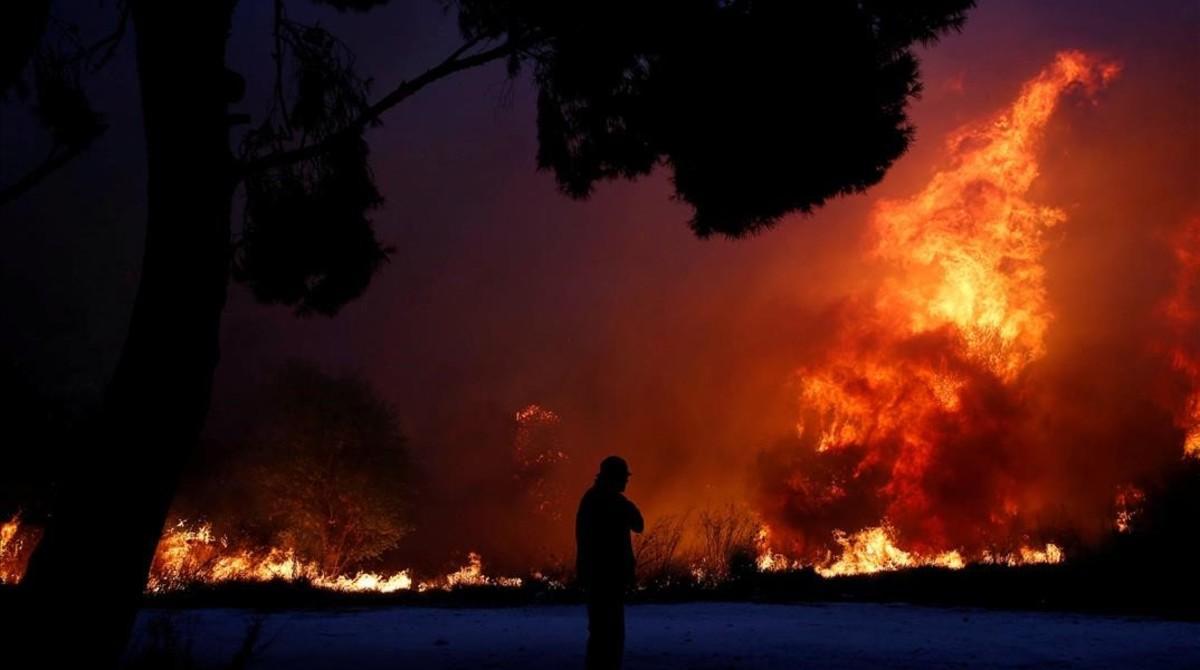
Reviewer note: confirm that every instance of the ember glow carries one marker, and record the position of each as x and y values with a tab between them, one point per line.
538	450
8	571
1128	502
17	541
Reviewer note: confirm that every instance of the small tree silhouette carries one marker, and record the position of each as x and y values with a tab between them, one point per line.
327	468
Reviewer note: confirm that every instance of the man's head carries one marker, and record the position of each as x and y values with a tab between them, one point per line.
614	471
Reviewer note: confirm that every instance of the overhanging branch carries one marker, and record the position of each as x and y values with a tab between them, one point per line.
53	162
455	62
94	57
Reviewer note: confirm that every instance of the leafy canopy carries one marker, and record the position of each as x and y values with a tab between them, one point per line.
756	108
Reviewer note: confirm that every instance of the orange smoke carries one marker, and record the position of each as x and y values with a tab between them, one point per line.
1181	312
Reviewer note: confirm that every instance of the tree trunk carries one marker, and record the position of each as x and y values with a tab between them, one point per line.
85	581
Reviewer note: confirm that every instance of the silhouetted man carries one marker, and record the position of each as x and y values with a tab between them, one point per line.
604	560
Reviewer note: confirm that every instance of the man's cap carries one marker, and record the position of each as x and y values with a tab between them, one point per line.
614	466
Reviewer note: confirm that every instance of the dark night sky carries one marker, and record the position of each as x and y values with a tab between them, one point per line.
502	292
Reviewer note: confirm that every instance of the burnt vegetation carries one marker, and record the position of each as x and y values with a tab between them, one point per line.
319	470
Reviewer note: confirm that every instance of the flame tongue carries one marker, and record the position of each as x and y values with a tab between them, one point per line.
929	367
966	252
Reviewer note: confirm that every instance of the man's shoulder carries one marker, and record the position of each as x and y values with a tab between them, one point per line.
597	496
590	497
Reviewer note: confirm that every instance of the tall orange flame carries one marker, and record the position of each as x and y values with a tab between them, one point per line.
960	314
965	261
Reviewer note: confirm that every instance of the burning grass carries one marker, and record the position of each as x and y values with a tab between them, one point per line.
190	554
1145	569
723	544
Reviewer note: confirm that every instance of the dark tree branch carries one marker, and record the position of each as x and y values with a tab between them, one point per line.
53	162
466	46
61	156
87	55
25	25
455	62
280	99
109	43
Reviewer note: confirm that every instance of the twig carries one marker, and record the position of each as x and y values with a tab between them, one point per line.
113	41
453	63
53	162
278	56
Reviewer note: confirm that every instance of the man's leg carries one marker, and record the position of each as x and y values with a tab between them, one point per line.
606	631
593	644
618	644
